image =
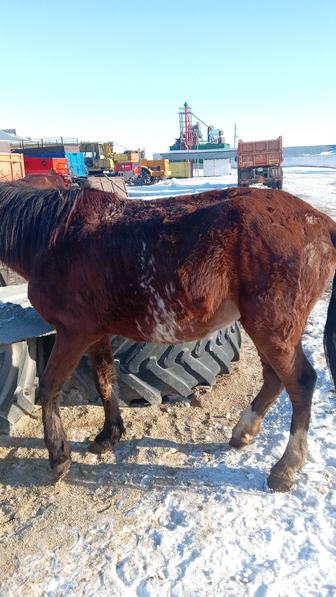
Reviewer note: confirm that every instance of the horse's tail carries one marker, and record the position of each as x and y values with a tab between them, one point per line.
329	338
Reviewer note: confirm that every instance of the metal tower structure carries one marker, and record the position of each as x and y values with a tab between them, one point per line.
191	134
185	118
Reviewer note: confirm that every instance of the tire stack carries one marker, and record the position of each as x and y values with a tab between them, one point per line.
18	382
147	373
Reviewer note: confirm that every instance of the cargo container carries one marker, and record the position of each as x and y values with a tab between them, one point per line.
11	166
260	162
127	156
127	167
76	163
216	167
181	169
44	165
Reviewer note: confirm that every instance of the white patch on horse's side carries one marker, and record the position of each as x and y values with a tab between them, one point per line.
310	219
310	254
139	328
248	422
159	317
142	255
169	289
151	263
164	319
164	333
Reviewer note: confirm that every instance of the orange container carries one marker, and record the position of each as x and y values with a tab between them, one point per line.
42	165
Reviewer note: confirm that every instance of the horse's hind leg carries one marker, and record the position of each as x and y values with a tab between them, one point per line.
64	357
101	361
295	373
299	378
251	418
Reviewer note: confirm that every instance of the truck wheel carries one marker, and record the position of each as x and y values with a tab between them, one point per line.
146	178
279	185
147	373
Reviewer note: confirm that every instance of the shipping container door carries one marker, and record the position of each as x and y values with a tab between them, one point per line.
216	167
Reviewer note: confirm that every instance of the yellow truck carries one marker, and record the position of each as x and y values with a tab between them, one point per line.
154	170
98	157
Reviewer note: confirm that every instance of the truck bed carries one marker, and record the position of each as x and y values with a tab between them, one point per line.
254	154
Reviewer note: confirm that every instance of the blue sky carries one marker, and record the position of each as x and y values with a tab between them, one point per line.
120	70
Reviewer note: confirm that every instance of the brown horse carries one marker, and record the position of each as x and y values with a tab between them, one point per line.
168	271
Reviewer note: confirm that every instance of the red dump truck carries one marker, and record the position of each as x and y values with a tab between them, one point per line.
260	162
43	165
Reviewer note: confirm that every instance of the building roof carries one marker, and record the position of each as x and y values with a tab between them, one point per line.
9	137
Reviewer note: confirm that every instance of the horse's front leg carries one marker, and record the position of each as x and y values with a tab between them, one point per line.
101	361
65	355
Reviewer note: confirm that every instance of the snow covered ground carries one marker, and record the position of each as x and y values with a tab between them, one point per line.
212	528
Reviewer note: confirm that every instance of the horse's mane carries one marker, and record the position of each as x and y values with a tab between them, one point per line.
32	220
30	217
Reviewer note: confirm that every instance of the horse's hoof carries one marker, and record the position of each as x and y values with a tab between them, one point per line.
61	469
236	442
240	442
280	482
104	442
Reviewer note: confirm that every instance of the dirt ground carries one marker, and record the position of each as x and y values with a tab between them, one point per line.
160	444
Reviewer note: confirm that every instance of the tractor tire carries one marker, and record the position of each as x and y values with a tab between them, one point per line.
18	382
147	373
145	177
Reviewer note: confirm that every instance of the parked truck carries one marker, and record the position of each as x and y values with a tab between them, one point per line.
44	165
64	159
260	162
154	170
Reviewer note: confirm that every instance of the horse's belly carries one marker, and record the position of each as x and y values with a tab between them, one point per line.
166	327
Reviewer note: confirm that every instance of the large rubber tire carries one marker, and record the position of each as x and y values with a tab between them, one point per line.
145	177
18	382
148	373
